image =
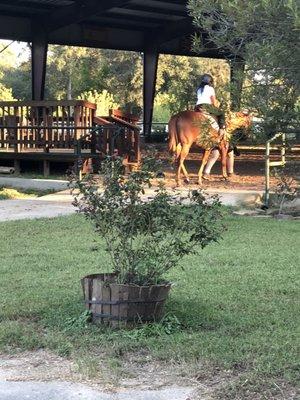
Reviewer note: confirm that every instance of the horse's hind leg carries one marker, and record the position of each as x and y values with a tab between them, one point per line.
183	154
203	163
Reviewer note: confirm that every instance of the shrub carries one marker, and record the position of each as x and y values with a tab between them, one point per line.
146	238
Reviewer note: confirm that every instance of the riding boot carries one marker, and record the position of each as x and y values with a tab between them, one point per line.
236	151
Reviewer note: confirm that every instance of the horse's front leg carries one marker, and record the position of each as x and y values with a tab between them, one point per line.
224	151
203	163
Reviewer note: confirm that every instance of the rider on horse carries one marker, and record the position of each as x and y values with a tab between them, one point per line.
206	101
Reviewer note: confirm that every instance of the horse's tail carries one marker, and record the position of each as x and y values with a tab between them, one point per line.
173	141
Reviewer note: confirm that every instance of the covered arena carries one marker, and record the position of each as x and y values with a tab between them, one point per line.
49	132
128	271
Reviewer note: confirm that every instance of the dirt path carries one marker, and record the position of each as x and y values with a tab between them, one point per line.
41	375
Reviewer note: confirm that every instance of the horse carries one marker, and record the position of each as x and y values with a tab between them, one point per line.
189	127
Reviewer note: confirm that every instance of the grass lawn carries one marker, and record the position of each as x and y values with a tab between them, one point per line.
7	193
237	303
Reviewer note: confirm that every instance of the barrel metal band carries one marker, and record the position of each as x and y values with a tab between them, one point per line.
117	302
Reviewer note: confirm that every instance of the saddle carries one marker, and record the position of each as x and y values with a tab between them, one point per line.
210	118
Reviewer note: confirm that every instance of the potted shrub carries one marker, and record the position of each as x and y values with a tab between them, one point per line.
145	238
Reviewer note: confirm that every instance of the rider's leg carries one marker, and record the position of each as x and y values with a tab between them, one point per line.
230	162
224	152
219	114
221	122
203	163
214	155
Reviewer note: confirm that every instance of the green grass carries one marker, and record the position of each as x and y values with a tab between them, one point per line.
237	303
7	193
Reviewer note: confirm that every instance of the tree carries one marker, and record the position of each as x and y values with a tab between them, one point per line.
125	78
178	78
104	101
64	71
7	62
265	34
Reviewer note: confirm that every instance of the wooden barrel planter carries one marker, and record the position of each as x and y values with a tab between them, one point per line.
120	305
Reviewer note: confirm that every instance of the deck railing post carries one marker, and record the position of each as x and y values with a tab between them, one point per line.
267	175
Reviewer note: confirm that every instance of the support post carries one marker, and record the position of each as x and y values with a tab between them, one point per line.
46	167
17	166
39	49
237	72
150	69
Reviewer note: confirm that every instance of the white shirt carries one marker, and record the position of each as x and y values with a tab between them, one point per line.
204	96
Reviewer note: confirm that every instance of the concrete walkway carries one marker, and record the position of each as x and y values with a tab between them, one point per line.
60	203
72	391
49	206
37	184
57	204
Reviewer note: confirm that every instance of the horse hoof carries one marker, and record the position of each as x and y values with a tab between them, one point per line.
206	177
231	175
187	181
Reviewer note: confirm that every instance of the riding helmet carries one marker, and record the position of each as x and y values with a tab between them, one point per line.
207	80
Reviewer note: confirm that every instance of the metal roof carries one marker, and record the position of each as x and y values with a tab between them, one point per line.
113	24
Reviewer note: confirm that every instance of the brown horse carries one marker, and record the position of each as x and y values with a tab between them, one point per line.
189	127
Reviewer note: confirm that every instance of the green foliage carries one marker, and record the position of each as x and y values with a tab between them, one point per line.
11	193
8	193
78	323
145	239
124	78
7	60
179	77
5	93
104	101
265	34
161	110
287	187
168	325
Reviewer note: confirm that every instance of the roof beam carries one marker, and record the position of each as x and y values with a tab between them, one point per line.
159	4
77	12
171	31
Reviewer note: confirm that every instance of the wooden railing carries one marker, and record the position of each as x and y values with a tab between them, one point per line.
44	124
52	130
131	142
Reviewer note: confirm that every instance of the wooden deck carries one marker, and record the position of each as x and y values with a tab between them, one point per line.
65	131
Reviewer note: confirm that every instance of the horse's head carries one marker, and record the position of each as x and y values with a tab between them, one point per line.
239	120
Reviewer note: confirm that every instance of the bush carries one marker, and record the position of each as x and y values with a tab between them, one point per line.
146	238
